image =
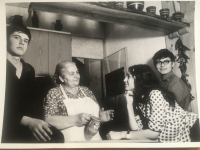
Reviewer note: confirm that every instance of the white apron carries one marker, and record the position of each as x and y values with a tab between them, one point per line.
77	106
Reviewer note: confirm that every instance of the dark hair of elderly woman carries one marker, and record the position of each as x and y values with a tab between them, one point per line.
69	107
153	113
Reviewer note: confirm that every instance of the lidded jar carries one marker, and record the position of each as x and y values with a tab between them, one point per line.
58	25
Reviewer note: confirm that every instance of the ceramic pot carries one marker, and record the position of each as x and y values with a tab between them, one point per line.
178	16
103	3
58	26
16	20
164	13
135	5
151	9
35	20
119	4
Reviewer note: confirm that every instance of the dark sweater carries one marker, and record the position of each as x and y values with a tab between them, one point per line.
18	101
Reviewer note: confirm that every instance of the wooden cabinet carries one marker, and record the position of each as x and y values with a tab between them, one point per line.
46	49
59	50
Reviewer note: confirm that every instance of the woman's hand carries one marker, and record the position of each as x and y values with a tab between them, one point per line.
107	115
39	128
82	119
129	97
113	135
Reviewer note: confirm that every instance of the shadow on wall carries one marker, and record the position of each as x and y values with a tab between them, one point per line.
150	63
28	21
41	87
131	32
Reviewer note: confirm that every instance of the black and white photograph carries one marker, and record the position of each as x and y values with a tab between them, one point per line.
99	74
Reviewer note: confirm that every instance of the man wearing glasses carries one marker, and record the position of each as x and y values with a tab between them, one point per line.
164	61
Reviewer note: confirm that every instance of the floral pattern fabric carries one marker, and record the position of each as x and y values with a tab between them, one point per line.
53	102
173	123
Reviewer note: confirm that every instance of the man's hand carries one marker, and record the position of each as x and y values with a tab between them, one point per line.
107	115
39	128
82	119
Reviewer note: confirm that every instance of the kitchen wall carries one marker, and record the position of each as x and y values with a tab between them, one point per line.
138	43
96	79
86	36
46	49
76	26
186	7
141	43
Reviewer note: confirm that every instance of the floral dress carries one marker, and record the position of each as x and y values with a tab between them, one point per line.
53	102
57	104
173	123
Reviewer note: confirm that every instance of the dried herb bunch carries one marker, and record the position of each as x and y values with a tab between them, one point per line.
183	60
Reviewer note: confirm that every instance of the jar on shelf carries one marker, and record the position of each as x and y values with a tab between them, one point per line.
135	5
178	16
58	25
103	3
35	20
164	12
16	20
151	9
119	4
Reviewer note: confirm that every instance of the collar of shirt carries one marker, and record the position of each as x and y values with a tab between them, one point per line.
25	68
166	77
79	93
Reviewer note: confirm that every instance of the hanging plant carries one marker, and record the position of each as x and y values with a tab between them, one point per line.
183	60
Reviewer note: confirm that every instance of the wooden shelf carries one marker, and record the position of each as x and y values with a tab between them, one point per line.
46	30
109	14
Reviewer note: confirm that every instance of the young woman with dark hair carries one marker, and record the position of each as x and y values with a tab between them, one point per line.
153	112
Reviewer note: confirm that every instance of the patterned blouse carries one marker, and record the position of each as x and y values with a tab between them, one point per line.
173	123
53	102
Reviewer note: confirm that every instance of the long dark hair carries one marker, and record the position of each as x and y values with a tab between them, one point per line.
146	81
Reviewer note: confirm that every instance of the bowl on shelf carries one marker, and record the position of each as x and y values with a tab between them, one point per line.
103	3
135	5
178	16
151	9
119	4
164	13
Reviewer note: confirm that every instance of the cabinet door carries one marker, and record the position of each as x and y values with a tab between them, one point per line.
59	50
37	52
46	50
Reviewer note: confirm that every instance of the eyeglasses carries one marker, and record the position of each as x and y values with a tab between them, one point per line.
159	63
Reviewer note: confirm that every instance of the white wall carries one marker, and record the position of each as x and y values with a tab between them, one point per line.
87	47
140	43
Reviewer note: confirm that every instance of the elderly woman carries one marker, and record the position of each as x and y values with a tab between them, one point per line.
154	113
69	107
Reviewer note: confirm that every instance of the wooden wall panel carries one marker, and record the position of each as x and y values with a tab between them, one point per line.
65	46
46	49
37	53
59	50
